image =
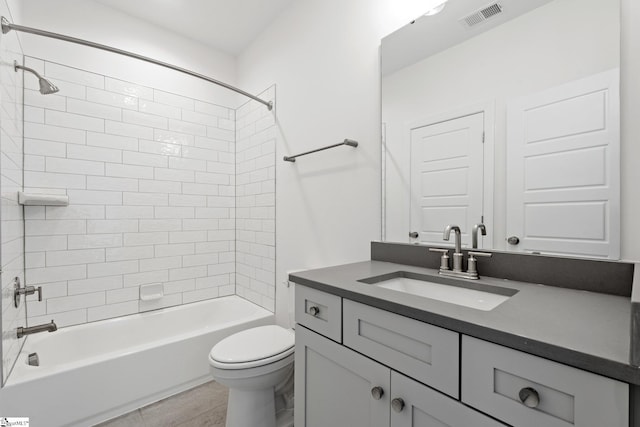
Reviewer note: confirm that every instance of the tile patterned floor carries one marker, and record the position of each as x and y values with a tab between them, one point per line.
203	406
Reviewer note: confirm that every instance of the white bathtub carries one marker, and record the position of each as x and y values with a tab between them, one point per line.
94	372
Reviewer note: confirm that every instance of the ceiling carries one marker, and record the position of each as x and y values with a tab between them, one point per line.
429	35
226	25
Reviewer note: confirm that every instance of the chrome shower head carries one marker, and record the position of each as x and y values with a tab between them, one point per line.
46	87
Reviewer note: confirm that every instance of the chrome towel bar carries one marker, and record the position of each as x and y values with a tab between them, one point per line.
349	142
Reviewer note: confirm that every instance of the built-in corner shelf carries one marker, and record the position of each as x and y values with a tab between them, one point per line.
32	199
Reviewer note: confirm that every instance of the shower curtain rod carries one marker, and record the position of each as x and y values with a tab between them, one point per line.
8	26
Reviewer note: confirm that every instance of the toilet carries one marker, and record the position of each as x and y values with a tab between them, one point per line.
257	366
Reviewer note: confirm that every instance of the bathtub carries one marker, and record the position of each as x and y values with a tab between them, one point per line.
96	371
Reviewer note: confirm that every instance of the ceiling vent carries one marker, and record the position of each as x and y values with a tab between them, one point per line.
482	15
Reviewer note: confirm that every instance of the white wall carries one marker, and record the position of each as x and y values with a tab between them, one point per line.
14	10
256	202
11	181
549	46
148	166
151	184
630	150
323	57
97	23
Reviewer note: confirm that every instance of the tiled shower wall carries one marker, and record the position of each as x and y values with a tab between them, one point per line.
11	230
256	203
151	182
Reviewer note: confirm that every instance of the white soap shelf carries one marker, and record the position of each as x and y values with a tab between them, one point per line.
33	199
152	291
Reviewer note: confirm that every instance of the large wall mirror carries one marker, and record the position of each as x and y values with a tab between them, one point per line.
504	117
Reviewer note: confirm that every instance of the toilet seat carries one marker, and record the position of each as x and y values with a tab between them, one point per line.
252	348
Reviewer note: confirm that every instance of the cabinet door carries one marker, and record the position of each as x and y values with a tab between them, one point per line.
334	385
424	407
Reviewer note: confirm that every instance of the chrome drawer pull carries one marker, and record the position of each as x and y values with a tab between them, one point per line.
397	404
313	310
529	397
377	392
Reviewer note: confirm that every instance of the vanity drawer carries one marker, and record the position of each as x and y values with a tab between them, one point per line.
427	353
319	311
495	377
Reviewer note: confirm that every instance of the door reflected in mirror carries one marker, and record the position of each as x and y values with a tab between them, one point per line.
505	114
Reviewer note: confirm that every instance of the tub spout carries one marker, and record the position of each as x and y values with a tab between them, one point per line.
48	327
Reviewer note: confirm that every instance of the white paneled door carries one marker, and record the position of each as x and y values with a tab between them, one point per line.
563	157
447	177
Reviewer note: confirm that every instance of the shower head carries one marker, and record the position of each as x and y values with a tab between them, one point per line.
46	87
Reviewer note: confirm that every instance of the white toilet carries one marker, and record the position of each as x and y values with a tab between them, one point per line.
257	366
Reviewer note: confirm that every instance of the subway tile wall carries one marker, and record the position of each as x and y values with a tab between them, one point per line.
151	179
11	227
256	203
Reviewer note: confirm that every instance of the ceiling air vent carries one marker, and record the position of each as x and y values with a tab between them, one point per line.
482	15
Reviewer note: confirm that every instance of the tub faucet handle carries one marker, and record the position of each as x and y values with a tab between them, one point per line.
18	291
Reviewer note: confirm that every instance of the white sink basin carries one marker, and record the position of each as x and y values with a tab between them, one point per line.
480	300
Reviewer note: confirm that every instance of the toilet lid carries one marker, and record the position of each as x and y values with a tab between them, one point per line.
253	344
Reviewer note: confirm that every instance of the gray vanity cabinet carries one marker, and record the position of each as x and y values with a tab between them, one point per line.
360	366
337	386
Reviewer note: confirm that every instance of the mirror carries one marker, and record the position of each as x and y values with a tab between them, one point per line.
505	114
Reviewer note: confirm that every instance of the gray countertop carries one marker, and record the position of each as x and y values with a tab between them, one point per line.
583	329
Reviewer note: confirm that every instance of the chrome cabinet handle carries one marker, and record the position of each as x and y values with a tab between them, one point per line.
397	404
313	310
414	235
377	392
529	397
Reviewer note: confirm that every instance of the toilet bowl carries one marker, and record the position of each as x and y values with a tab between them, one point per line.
257	366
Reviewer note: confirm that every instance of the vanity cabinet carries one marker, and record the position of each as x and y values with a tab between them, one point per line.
336	386
384	369
341	386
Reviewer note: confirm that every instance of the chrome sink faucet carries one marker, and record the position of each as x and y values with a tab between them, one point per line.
474	234
457	254
457	271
